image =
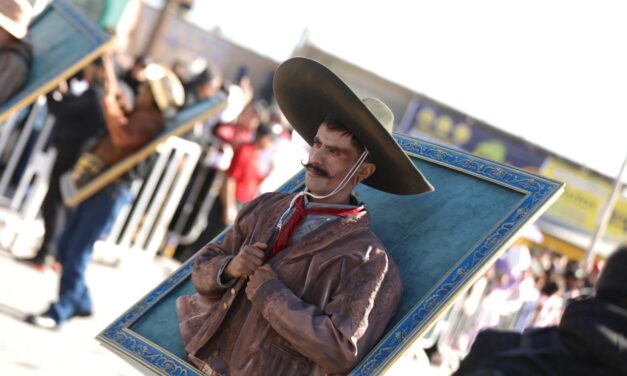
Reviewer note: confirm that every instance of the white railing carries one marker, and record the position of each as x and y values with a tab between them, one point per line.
20	204
19	150
141	227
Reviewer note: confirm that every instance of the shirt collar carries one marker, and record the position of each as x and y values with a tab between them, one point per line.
354	202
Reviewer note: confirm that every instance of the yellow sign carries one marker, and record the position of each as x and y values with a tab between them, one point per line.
618	223
584	199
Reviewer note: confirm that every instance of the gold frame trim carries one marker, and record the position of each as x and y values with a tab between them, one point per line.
385	366
50	85
129	162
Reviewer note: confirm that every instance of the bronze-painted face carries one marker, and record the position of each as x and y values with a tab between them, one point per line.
332	156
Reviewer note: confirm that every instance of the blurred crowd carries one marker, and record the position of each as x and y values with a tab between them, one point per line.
529	286
238	150
244	154
106	113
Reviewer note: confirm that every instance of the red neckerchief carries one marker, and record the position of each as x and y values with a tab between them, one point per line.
297	216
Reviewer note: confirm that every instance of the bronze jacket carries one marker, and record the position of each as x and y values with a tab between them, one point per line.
336	290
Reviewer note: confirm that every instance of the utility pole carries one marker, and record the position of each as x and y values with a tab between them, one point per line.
605	217
165	15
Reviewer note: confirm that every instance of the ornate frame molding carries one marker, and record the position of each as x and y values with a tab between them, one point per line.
539	193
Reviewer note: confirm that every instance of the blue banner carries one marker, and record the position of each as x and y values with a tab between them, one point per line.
427	119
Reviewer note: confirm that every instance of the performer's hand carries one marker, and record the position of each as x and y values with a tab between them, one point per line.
249	258
260	275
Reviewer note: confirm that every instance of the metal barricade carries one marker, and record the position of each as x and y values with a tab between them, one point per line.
20	202
141	227
17	146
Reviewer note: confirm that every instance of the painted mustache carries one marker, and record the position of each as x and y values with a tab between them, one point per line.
316	170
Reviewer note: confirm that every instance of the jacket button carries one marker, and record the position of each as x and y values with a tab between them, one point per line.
225	305
232	291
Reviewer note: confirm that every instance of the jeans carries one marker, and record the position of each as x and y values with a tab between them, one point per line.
90	221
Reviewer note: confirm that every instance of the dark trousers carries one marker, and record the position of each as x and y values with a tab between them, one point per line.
90	221
55	213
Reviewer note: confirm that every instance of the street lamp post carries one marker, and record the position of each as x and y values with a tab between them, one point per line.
605	217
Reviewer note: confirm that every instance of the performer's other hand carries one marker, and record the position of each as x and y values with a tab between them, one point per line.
260	275
249	258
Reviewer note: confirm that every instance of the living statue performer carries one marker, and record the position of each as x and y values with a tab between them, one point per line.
300	284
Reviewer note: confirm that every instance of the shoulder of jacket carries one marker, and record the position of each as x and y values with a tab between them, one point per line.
362	246
264	199
271	197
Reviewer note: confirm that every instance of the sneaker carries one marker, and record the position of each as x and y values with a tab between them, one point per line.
42	321
82	314
36	262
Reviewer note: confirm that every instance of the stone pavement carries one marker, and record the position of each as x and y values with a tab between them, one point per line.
73	350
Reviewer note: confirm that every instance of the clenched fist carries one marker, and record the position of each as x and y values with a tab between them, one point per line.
257	279
249	258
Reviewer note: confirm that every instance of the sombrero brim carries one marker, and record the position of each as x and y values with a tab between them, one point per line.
18	30
166	88
307	92
15	15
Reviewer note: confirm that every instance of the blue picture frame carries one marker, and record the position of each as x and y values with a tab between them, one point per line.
207	111
444	241
64	41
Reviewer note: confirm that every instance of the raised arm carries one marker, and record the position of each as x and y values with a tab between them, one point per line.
126	131
110	79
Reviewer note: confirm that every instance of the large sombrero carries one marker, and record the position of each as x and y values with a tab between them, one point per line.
15	15
166	88
307	92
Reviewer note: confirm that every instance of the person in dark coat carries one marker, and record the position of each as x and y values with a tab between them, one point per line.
78	118
591	338
158	100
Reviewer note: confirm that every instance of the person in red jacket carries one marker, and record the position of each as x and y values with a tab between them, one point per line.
246	173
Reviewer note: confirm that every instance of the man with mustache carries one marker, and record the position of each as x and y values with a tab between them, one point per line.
300	284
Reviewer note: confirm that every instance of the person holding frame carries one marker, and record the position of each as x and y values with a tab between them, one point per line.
128	130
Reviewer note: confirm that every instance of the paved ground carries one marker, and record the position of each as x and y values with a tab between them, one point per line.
72	350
